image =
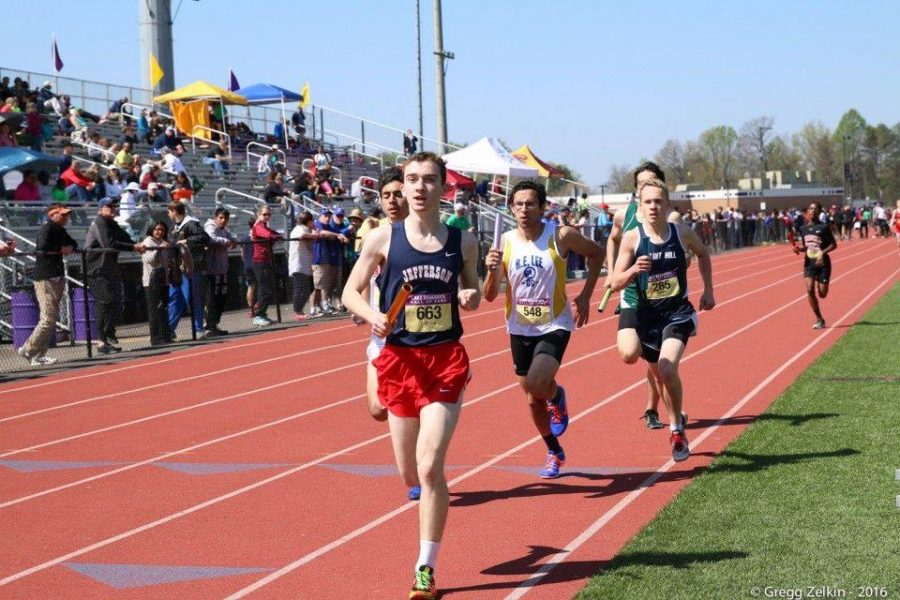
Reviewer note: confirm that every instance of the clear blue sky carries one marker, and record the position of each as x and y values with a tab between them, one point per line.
586	83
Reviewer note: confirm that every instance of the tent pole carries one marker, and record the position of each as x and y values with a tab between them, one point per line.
285	130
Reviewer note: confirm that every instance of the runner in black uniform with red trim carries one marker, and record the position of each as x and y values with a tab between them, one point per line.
816	242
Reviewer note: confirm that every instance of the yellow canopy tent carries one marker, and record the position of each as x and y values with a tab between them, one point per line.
527	156
190	105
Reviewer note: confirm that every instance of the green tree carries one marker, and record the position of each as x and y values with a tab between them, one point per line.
817	151
718	148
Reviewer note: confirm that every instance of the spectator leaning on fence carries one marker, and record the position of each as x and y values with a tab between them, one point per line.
221	240
106	239
53	242
187	231
157	261
300	263
263	256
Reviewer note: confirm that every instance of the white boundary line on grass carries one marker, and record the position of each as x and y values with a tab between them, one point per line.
356	533
232	346
373	524
597	525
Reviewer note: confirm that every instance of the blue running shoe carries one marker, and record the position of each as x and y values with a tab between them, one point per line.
415	492
551	467
559	415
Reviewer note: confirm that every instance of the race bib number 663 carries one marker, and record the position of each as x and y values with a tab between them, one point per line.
428	313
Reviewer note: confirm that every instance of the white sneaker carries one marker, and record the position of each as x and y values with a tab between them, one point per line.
43	361
23	354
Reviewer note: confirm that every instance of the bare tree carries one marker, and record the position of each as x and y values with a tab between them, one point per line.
620	179
673	160
753	146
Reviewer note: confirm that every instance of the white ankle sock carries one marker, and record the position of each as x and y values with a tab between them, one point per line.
427	553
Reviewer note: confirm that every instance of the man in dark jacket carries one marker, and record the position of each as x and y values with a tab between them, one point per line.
53	242
107	239
188	231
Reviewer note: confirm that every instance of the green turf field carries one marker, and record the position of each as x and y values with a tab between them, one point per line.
807	496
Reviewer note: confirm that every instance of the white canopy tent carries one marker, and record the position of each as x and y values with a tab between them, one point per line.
488	156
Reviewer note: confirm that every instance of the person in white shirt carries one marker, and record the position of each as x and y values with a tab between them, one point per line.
171	163
300	263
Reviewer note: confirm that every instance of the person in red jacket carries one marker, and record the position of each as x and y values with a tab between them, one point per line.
78	185
263	237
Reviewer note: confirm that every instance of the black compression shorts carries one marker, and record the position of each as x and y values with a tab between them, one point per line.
526	347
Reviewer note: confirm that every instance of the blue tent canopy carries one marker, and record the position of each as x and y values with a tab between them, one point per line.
266	93
22	158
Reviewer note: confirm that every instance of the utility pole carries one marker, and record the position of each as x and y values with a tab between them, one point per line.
419	67
439	57
847	178
155	34
761	131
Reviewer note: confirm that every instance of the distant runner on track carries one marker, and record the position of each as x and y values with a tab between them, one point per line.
816	242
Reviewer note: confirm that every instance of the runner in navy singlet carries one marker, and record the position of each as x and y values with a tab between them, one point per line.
654	256
423	369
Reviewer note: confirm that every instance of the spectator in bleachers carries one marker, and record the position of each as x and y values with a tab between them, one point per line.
158	261
300	263
96	176
263	236
150	173
167	139
298	121
124	158
115	110
128	136
103	271
65	123
78	185
155	195
278	130
170	162
34	126
5	89
53	243
327	250
79	124
65	160
182	190
7	138
322	187
97	148
45	94
274	192
188	232
113	183
58	194
302	183
129	218
9	105
218	157
459	219
322	162
28	190
46	189
221	240
143	126
60	105
268	162
410	143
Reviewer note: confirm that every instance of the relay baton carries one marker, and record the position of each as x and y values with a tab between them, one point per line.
498	231
398	304
792	240
606	296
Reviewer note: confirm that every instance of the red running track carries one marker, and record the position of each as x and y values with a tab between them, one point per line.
251	467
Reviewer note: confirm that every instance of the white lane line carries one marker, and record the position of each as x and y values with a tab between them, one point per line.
227	347
129	467
272	359
560	557
213	501
373	524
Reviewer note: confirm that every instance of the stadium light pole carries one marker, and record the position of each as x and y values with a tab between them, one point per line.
419	67
155	34
439	57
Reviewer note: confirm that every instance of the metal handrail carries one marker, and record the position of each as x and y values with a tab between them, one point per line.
228	190
267	147
91	146
380	160
363	187
91	162
141	107
388	127
194	138
356	139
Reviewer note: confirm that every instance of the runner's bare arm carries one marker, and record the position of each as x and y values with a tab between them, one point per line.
469	291
612	245
571	240
371	255
627	268
704	262
496	273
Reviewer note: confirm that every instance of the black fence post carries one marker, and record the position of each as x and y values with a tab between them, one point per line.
86	307
276	283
